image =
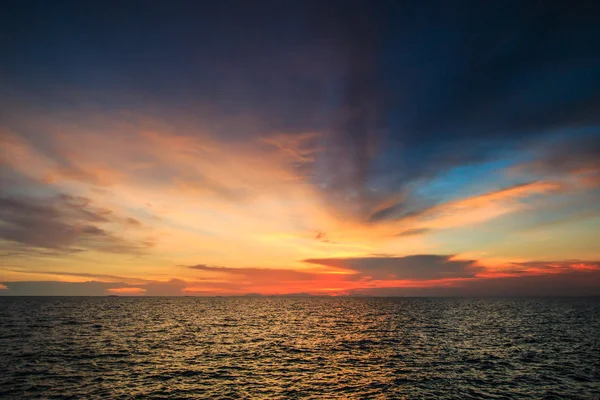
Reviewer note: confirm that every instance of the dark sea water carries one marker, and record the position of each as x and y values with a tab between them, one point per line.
279	348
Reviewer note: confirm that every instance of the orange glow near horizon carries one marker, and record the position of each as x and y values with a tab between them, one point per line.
127	291
144	215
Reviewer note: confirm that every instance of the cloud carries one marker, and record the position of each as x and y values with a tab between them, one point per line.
323	237
133	221
571	154
573	283
128	291
465	211
298	149
345	162
417	267
413	232
101	284
55	288
555	267
575	156
262	275
62	224
47	158
98	277
174	287
12	249
218	280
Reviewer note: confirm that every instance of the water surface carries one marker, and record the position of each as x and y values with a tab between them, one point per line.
275	347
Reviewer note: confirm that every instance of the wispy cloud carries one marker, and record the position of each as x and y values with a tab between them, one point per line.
63	224
173	287
526	268
82	275
414	232
462	212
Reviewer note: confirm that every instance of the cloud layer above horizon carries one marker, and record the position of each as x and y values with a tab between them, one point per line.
363	148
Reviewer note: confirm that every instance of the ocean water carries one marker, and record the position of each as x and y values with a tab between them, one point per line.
288	348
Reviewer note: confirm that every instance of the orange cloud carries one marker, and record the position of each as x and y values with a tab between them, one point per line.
477	209
296	148
265	280
536	268
588	179
127	291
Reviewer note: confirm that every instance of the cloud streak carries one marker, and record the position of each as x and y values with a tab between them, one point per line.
63	224
417	267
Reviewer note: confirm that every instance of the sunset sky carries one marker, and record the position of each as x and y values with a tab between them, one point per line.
282	147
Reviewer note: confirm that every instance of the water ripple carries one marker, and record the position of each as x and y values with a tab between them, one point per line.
249	348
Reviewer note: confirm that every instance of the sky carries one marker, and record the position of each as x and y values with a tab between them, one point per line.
374	148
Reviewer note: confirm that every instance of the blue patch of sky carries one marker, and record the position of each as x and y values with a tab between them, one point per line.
469	180
475	179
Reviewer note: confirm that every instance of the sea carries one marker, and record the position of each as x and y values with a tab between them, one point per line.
299	348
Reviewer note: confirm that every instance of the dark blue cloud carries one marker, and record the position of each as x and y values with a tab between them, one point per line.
416	267
576	284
